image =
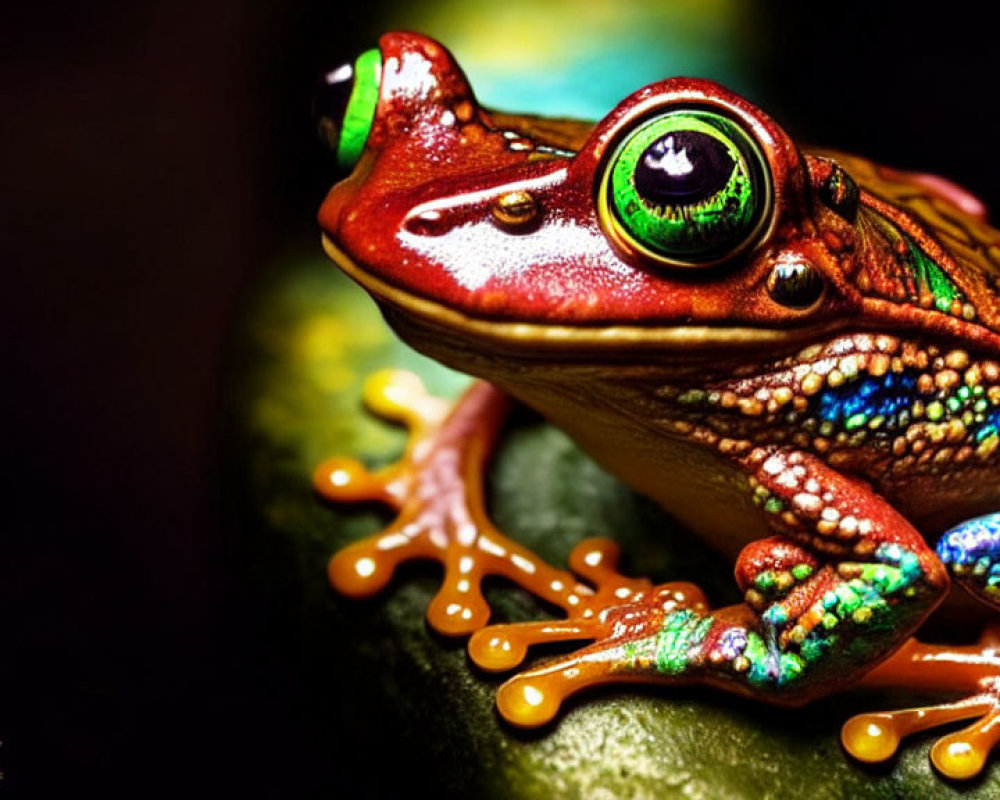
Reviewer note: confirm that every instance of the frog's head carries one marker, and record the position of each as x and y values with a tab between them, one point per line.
685	221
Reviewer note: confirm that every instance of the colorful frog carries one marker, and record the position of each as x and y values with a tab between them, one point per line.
796	352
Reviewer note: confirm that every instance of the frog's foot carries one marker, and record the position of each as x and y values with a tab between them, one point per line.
843	585
630	640
436	489
971	552
365	567
875	737
795	608
768	571
497	648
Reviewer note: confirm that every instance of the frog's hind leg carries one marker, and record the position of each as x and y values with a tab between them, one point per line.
799	613
971	552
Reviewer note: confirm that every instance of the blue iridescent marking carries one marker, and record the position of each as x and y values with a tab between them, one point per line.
869	397
973	541
886	403
733	642
990	426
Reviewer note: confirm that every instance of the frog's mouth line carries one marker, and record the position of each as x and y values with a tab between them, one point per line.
544	338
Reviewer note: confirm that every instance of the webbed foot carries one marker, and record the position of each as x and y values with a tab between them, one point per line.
436	490
630	640
875	737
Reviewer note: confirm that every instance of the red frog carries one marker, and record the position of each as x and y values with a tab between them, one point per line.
796	352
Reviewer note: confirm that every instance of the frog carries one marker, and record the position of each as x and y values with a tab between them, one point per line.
794	351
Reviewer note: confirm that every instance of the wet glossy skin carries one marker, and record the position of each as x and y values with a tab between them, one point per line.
418	218
814	399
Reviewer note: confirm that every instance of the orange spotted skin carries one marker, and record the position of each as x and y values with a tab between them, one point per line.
815	391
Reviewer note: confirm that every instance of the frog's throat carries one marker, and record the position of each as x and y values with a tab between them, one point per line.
542	338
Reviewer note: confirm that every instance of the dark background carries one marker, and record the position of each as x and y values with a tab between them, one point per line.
155	156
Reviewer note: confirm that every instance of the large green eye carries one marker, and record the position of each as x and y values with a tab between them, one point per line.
344	106
688	187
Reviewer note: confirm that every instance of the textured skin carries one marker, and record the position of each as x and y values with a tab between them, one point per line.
816	443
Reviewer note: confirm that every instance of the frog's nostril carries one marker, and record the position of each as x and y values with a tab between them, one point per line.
515	211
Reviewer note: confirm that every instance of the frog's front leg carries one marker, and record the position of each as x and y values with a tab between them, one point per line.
437	491
971	551
842	585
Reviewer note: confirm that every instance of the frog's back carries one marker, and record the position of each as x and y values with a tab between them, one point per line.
948	220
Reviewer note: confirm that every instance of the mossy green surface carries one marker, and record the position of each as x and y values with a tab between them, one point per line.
397	706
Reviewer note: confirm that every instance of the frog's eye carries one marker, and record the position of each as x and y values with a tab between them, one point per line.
688	187
344	106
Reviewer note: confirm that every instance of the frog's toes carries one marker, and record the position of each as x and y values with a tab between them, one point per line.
971	552
498	648
345	480
630	640
917	665
875	737
459	607
534	697
400	396
365	567
436	489
395	395
502	647
596	561
361	569
963	754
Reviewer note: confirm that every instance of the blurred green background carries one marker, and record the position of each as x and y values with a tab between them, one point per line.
161	165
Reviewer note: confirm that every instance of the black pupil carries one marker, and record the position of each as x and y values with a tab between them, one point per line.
682	168
330	103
